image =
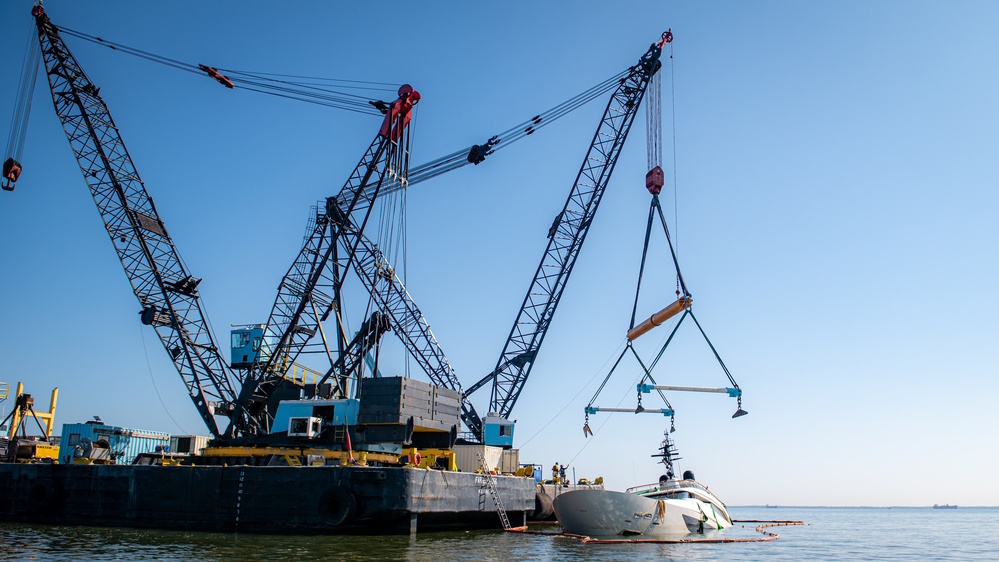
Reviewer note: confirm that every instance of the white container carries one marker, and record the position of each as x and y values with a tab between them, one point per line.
188	444
467	457
511	461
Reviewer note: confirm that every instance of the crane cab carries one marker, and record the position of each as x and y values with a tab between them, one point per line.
497	431
247	343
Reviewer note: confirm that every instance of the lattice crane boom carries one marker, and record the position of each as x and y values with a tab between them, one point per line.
166	290
566	236
310	290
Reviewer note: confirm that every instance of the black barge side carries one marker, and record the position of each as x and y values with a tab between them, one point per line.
259	499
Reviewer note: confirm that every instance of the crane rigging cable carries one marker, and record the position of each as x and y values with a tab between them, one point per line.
257	82
654	182
319	91
463	157
22	109
684	304
314	90
672	85
475	154
345	83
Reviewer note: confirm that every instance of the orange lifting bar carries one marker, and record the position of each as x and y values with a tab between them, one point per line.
658	318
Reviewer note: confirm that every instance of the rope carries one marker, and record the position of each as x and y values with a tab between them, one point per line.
654	122
318	91
718	357
460	158
25	94
307	91
676	262
672	78
607	418
641	268
567	404
669	339
609	373
648	375
156	389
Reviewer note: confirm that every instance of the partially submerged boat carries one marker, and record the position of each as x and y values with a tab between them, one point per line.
671	507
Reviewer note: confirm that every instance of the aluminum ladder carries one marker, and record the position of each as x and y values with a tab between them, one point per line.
491	485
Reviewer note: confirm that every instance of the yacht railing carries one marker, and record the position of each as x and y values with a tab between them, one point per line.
669	485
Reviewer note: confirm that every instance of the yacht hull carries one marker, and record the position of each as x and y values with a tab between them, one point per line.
606	513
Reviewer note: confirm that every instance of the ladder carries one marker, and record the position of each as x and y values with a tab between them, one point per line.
491	485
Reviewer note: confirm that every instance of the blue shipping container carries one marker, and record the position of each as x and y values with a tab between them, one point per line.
126	443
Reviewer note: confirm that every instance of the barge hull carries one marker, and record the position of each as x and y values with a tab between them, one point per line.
252	499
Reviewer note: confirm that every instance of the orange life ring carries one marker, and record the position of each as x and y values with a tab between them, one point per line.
415	459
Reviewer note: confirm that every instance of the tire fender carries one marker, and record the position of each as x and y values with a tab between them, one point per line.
337	506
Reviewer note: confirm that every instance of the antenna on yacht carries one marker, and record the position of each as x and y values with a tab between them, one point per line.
668	454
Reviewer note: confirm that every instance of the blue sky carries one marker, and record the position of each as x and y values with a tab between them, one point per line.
835	169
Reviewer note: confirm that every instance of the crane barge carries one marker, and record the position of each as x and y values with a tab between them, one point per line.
294	484
270	471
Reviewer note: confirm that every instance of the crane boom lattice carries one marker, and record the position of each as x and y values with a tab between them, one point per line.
167	292
566	236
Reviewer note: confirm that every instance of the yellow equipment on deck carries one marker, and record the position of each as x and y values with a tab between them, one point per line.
31	449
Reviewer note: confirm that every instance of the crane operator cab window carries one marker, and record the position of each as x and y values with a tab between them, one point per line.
240	339
246	346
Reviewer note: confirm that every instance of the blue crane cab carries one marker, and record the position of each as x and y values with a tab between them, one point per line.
498	431
247	343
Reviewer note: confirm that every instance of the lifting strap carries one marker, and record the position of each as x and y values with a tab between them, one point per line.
655	209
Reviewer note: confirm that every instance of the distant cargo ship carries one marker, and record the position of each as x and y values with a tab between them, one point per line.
944	506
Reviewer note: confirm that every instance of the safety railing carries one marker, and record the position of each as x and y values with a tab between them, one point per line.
299	374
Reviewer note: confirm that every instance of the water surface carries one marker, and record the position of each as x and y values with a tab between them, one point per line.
829	534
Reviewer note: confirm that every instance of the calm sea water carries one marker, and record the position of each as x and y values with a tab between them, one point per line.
922	534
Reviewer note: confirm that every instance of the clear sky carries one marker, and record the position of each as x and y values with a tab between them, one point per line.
835	201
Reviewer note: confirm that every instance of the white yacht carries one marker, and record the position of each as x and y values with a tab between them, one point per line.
672	507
